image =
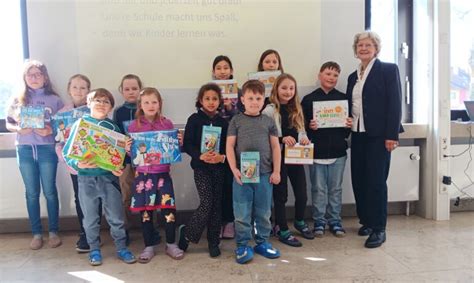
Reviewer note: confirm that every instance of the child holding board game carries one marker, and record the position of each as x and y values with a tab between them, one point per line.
204	141
153	186
97	185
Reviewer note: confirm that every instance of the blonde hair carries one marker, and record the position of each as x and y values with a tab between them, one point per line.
140	113
296	118
367	34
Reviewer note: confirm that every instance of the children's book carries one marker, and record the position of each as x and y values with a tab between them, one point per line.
299	154
153	148
211	138
32	117
62	122
105	147
229	88
331	114
250	167
267	78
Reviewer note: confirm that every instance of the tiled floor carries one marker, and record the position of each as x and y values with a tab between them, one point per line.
417	250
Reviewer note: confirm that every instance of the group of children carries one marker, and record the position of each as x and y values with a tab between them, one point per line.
228	207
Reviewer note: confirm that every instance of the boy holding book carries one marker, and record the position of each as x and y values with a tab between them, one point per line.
255	135
97	185
330	154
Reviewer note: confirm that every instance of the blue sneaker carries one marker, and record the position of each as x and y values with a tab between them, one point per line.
95	258
126	256
243	254
265	249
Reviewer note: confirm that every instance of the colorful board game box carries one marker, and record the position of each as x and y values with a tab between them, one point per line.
103	146
62	122
267	78
32	117
299	154
153	148
125	125
211	138
229	88
331	114
250	167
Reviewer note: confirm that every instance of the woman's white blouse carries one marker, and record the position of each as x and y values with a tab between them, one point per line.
357	109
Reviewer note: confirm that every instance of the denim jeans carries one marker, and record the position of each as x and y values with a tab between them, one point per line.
252	199
326	191
38	164
92	191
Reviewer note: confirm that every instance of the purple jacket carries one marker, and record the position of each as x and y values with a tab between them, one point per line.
51	103
146	126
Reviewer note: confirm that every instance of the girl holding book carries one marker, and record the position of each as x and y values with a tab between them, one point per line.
222	70
286	110
78	87
204	141
36	157
152	188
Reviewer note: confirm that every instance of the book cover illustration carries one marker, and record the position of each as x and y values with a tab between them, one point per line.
267	78
103	146
153	148
229	88
250	167
32	117
299	154
211	138
331	114
62	122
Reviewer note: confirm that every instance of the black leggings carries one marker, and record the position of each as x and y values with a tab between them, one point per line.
280	193
208	214
149	230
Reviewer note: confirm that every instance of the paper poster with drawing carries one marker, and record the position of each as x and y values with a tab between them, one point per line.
229	88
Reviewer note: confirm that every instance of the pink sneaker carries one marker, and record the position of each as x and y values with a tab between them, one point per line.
228	232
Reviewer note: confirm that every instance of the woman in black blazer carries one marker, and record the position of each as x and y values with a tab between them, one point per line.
375	97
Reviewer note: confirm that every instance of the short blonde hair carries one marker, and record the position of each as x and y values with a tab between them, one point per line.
367	34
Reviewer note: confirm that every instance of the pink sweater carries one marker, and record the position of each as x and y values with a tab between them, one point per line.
147	126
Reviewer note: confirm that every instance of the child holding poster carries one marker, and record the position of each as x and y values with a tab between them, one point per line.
286	110
153	186
329	154
204	141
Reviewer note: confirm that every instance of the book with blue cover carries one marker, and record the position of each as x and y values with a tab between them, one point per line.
32	117
250	167
62	122
210	139
154	148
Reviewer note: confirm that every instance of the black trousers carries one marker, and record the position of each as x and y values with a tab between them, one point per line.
297	178
370	165
148	229
209	185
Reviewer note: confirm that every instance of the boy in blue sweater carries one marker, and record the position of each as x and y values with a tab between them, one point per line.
97	185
